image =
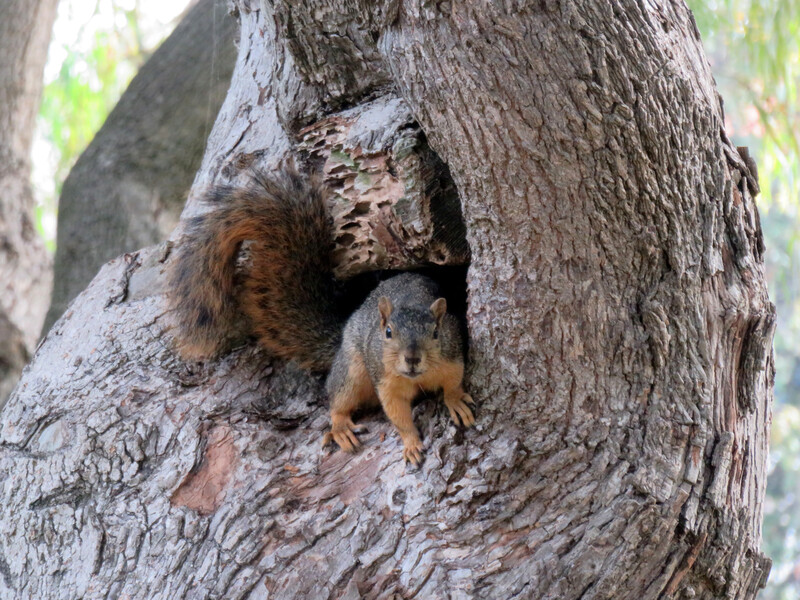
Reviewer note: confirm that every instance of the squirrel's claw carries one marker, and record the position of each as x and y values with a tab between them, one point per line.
344	436
460	412
412	451
413	456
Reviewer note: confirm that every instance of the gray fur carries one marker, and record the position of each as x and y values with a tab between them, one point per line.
411	296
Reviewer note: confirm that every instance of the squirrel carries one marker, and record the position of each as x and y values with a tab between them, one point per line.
399	342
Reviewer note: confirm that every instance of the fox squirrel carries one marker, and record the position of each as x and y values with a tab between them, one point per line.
399	342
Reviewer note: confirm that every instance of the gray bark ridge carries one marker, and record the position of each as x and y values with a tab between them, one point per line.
127	189
619	346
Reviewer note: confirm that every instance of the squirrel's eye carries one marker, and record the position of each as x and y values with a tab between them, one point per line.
388	333
436	333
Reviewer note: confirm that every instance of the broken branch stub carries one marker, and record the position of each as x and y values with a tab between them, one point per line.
393	202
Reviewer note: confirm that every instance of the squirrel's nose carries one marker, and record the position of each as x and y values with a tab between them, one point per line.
412	360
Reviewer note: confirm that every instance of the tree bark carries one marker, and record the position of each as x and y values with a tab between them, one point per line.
25	268
128	187
618	322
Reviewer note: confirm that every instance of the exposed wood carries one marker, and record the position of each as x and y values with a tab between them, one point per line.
394	204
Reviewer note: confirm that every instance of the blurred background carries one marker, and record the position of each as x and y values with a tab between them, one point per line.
95	50
754	49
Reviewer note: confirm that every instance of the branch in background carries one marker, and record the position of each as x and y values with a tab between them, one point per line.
127	189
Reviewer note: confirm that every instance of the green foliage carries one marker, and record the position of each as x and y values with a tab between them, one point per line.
96	50
75	104
754	48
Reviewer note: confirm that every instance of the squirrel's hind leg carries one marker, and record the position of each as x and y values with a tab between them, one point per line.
349	388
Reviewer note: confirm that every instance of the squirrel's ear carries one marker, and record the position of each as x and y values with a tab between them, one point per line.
438	308
385	306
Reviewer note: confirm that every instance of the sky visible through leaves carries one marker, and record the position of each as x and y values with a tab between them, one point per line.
754	50
96	49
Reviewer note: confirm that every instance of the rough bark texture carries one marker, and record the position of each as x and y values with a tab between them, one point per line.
127	189
394	204
619	341
25	267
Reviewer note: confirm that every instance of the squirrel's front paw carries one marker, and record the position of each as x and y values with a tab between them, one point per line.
412	450
343	433
459	411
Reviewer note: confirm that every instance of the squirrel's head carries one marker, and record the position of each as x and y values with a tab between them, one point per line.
411	336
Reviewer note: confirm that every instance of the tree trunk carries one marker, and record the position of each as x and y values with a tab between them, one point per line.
127	189
619	337
25	275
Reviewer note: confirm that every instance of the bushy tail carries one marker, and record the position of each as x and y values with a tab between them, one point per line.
288	291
